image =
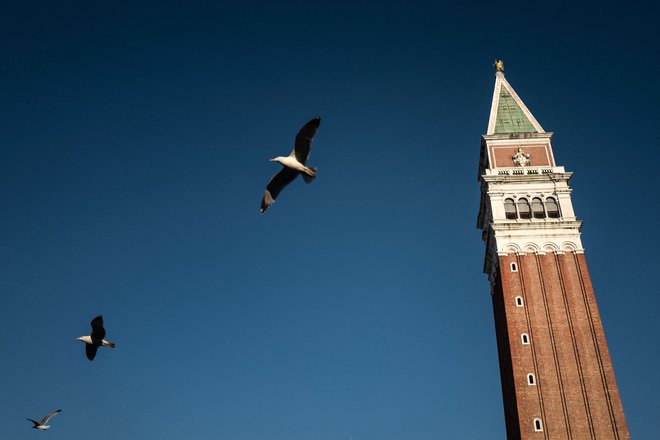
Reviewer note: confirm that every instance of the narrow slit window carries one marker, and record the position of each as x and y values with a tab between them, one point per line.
537	208
510	209
519	301
538	426
525	338
523	209
514	267
551	207
531	380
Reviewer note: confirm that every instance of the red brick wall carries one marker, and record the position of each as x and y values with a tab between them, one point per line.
575	394
506	369
503	156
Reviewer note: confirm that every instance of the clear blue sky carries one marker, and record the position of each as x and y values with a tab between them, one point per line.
134	139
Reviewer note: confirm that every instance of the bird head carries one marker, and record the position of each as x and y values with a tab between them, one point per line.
276	159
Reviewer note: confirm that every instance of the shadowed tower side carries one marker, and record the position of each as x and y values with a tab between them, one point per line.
557	376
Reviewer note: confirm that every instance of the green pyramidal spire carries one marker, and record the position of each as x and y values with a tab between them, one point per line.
508	113
510	117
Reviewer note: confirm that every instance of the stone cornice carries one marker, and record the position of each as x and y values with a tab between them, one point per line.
523	175
536	224
516	136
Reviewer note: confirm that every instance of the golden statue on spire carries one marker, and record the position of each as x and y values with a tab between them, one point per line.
499	65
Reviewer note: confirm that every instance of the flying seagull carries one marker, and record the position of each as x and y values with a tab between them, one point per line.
95	340
42	424
293	164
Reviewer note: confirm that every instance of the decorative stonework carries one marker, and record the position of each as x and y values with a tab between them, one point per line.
521	159
534	248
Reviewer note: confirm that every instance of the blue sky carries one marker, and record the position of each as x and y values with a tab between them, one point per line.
135	139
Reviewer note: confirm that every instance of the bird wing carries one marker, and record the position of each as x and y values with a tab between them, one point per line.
49	416
276	185
35	422
98	332
304	140
90	350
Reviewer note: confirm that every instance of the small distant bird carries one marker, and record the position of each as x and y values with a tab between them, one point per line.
95	340
42	424
293	164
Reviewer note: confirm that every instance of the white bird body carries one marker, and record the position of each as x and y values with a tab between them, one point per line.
42	427
292	162
85	339
88	340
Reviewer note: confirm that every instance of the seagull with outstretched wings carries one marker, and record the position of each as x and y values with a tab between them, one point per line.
292	165
96	339
42	424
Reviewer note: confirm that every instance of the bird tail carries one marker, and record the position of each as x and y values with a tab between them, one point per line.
308	178
108	344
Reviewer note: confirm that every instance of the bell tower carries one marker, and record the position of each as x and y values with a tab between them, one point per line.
557	377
